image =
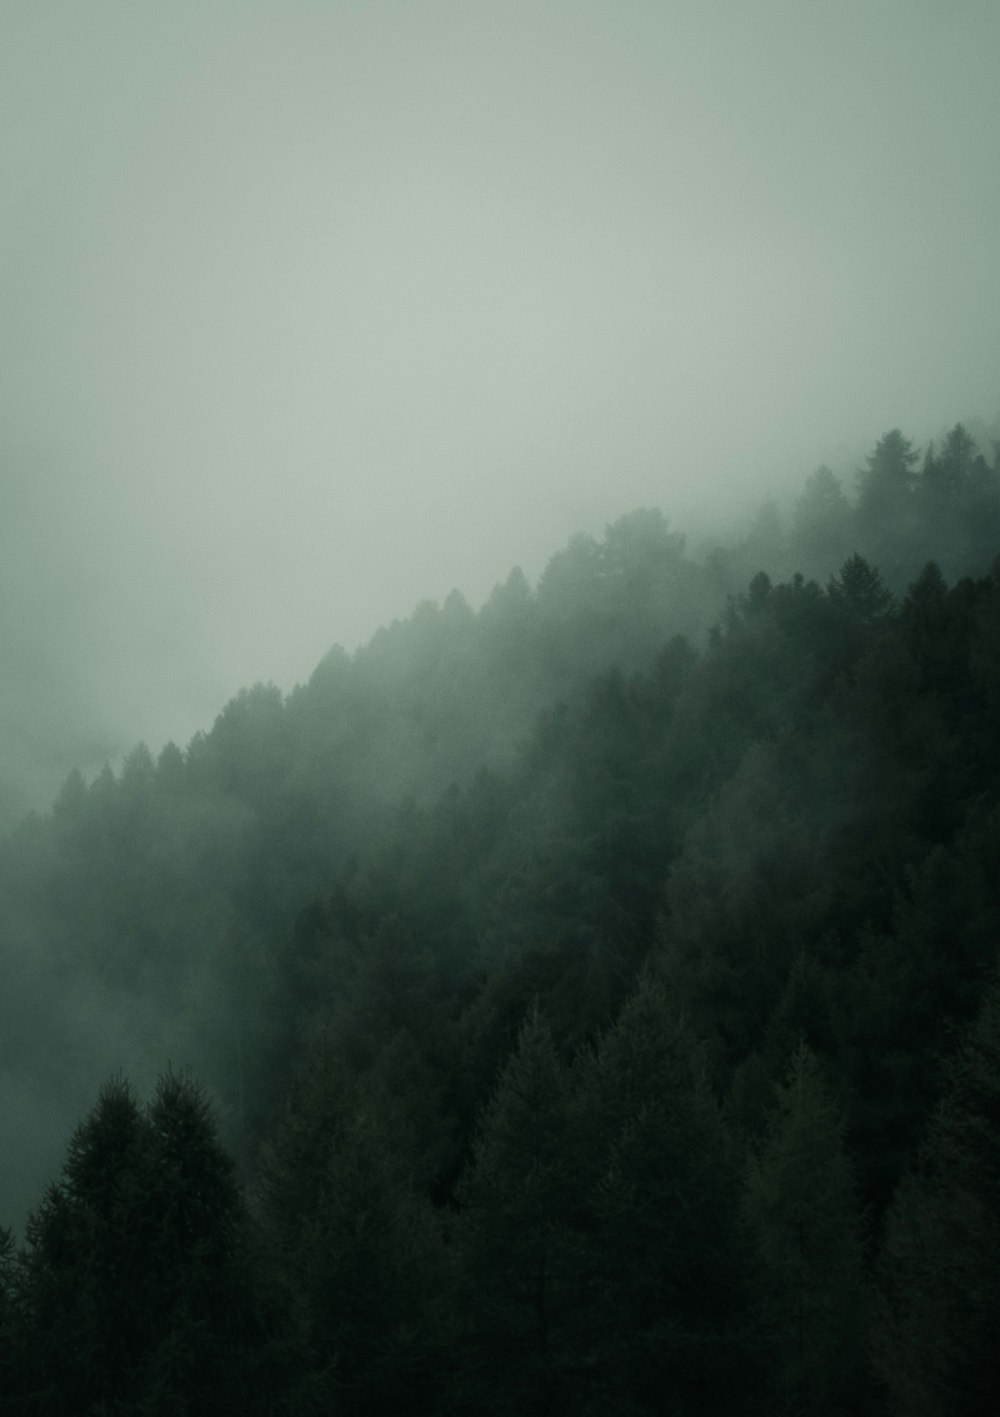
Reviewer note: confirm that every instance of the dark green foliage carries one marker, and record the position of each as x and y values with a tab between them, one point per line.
155	881
959	494
571	986
859	591
353	1248
802	1206
667	1272
133	1295
513	1239
885	486
10	1375
935	1339
605	1266
85	1280
823	523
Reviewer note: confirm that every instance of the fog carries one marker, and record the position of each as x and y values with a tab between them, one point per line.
311	311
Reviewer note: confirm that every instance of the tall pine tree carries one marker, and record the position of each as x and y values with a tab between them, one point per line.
514	1243
667	1269
137	1296
936	1337
801	1203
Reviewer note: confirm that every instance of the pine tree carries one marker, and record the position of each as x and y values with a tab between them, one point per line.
513	1239
10	1376
860	591
136	1294
822	522
666	1263
353	1247
885	486
207	1346
802	1207
936	1337
85	1314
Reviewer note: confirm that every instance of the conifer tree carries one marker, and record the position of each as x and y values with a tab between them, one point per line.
10	1379
667	1266
860	591
513	1239
85	1311
822	521
353	1248
207	1343
885	486
802	1207
136	1297
936	1335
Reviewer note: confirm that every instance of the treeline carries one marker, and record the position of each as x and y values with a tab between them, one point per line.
599	1001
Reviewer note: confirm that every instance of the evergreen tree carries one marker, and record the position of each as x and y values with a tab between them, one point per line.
822	523
802	1206
885	486
860	591
353	1247
10	1376
513	1239
936	1340
87	1324
136	1295
665	1262
209	1342
956	461
956	498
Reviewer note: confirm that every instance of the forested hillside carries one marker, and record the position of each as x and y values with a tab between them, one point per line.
588	1004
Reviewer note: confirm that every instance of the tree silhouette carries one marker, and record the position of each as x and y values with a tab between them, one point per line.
860	591
935	1336
802	1205
136	1295
513	1238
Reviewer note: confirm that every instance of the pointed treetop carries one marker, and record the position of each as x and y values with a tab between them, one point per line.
860	590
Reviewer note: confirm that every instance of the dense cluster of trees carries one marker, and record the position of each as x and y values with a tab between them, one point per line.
597	998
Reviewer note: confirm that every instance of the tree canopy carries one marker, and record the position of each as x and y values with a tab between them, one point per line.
592	997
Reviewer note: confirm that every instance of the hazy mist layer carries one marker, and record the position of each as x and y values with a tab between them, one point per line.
310	311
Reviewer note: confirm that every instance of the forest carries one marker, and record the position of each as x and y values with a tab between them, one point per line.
588	1004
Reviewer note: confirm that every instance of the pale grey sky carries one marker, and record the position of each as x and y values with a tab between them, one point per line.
309	311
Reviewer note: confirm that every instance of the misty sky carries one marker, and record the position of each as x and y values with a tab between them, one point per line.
309	311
